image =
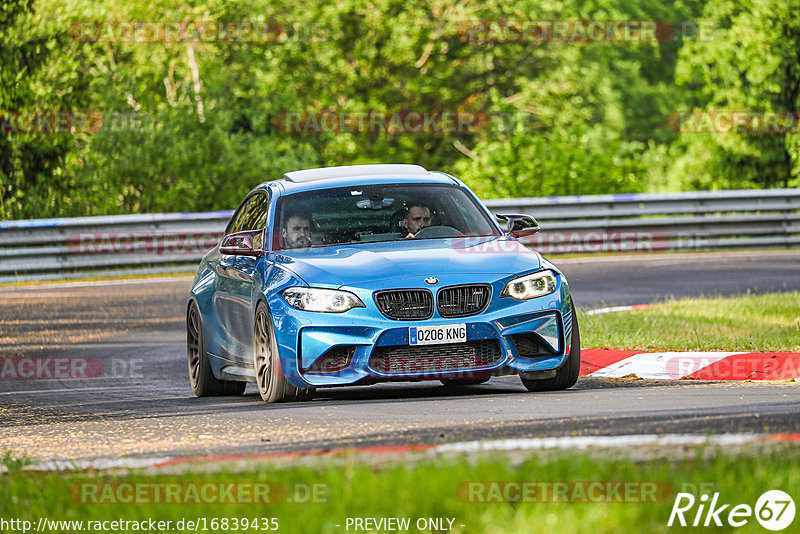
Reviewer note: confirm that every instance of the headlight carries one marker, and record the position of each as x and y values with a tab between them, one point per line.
321	300
530	286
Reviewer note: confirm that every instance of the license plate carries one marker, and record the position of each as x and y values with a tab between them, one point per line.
437	334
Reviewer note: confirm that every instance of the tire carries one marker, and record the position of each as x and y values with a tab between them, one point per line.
271	382
567	374
201	378
458	382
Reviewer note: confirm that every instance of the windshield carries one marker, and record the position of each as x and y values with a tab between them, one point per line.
378	213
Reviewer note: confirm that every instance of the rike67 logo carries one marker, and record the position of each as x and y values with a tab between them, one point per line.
774	510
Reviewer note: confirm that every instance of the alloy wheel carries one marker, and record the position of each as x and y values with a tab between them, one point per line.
193	344
263	351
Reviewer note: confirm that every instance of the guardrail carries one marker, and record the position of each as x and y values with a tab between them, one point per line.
702	220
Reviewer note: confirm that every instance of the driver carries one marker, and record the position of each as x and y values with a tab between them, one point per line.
296	231
416	217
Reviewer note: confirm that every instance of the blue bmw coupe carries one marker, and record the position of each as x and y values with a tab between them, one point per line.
372	273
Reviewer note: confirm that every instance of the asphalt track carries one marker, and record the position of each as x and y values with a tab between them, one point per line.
142	404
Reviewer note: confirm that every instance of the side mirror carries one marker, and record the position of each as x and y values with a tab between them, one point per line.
519	225
248	243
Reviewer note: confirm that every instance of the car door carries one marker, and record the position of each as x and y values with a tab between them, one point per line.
239	272
226	289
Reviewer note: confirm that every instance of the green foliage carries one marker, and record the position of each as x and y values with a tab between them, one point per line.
751	62
192	126
33	75
14	463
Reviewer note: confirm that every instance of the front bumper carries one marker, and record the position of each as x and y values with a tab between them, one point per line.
510	336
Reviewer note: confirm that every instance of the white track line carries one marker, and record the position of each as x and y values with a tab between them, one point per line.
612	309
583	442
99	463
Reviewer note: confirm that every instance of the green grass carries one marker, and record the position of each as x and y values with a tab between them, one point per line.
751	323
430	489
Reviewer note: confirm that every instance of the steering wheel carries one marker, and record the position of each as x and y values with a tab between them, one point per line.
439	231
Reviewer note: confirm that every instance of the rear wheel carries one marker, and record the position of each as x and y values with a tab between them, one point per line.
201	378
567	374
272	384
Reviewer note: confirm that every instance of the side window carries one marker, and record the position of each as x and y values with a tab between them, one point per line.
256	217
235	225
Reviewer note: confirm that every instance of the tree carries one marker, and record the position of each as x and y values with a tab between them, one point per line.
751	63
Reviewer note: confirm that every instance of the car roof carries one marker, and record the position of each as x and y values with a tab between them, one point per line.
357	175
350	171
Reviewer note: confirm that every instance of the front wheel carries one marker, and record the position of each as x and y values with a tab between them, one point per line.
567	374
201	378
272	384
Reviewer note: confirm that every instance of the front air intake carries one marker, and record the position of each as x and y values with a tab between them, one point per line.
435	359
333	361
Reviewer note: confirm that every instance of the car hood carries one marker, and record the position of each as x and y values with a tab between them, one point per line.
340	265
